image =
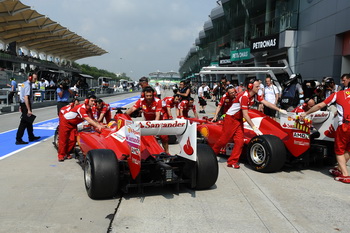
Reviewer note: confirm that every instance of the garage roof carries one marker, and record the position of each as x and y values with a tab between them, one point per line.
30	29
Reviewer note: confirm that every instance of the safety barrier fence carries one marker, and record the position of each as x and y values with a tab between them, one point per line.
51	95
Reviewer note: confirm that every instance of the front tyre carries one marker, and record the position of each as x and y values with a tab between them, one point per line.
101	174
266	153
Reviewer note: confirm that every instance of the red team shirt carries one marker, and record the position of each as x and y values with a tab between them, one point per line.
104	109
242	101
76	115
184	106
149	110
65	109
342	100
168	102
226	102
300	109
342	136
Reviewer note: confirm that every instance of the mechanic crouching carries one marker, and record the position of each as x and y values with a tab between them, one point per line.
233	121
68	126
342	137
151	107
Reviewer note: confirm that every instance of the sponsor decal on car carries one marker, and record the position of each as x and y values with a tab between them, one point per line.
150	124
135	150
300	135
118	136
301	143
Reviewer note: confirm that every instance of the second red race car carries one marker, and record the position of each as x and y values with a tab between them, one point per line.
290	141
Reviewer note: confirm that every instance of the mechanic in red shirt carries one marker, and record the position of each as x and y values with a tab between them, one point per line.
342	137
305	106
68	125
233	121
102	111
168	103
185	106
68	107
152	110
225	102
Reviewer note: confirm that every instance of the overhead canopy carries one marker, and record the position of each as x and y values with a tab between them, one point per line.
86	76
217	12
30	29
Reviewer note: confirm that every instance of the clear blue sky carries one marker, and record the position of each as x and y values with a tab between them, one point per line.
141	36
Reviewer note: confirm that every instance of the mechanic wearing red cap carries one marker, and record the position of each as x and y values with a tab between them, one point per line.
102	111
152	109
185	106
233	121
342	137
68	125
168	103
225	102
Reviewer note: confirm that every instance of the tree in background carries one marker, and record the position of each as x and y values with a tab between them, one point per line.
95	72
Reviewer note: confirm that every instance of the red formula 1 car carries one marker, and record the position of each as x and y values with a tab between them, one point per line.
127	154
289	141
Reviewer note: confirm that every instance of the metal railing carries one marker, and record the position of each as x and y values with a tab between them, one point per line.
51	95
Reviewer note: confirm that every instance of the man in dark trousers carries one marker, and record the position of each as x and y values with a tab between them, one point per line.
26	100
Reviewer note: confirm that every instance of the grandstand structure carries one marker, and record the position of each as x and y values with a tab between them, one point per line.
164	77
30	40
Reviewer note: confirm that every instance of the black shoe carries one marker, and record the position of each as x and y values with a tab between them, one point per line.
21	142
34	139
203	111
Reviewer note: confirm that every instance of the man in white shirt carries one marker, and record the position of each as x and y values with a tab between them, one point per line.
157	88
214	92
261	93
201	98
331	87
206	91
271	94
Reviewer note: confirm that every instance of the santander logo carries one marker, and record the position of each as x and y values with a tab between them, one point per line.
188	149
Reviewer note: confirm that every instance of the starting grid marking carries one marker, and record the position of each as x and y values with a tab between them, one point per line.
44	129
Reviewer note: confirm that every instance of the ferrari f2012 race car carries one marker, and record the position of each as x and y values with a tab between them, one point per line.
127	155
289	141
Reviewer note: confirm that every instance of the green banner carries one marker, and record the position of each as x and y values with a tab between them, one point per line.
240	54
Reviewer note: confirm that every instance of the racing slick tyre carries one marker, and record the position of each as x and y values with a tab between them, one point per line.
207	168
55	139
266	153
101	174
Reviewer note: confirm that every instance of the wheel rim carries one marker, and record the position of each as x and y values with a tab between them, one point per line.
87	174
258	153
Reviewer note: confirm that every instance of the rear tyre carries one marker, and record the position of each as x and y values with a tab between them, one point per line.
101	174
266	153
206	167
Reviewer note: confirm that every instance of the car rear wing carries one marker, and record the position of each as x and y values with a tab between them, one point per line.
185	131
